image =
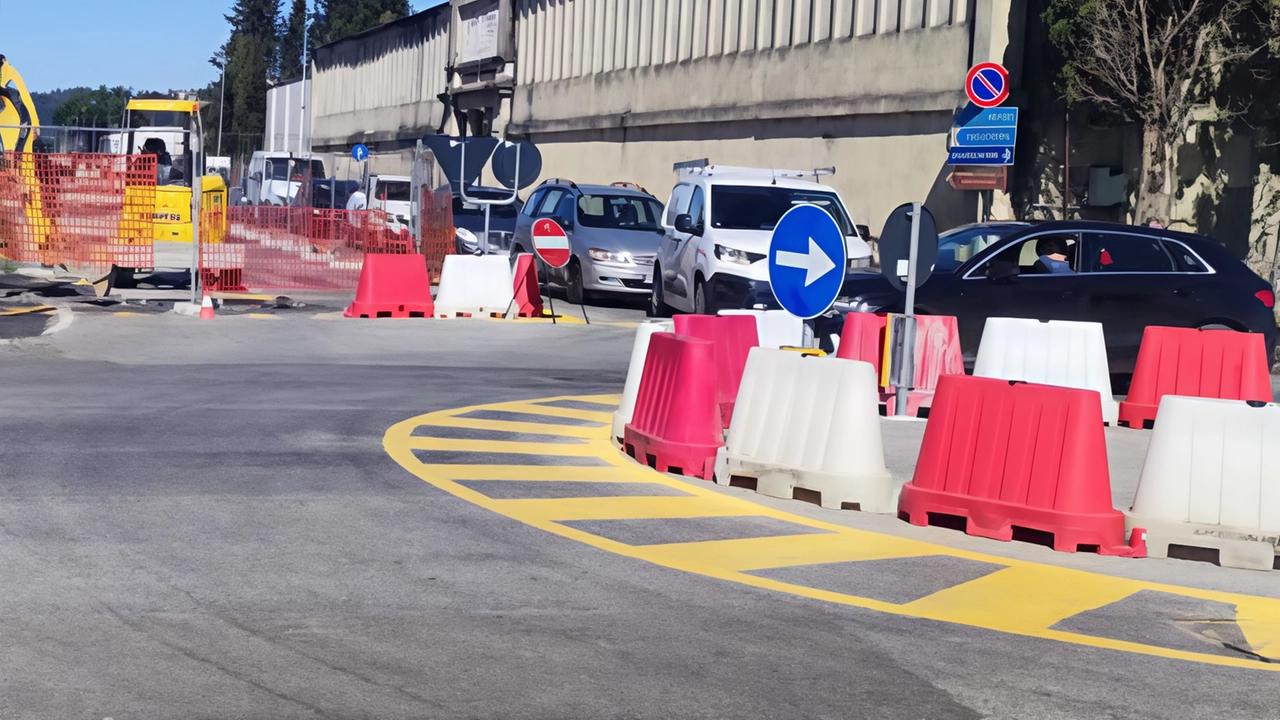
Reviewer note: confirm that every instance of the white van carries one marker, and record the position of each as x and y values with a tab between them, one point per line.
716	233
389	193
274	178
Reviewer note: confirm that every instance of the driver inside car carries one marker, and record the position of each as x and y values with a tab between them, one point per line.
1052	257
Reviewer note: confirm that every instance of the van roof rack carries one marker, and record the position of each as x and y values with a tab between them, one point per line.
704	167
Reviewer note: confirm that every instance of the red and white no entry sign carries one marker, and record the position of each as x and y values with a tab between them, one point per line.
550	242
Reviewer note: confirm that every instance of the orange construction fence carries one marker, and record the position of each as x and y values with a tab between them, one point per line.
278	248
82	210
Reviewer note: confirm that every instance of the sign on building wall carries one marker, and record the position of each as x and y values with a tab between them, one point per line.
479	31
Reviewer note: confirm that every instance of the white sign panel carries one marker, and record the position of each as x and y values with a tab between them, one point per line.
478	39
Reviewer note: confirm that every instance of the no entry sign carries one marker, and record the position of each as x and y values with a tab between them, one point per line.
987	85
550	242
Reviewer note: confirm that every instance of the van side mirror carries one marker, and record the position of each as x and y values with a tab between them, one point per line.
256	177
684	224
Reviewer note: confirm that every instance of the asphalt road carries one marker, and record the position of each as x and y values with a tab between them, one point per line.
200	521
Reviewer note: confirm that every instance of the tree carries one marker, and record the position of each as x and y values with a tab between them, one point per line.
93	108
1152	61
340	18
290	42
248	62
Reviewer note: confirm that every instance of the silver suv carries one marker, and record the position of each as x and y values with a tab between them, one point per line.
613	234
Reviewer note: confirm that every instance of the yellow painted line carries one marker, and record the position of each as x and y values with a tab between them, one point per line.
559	412
240	296
512	426
500	446
124	313
263	316
27	310
1024	598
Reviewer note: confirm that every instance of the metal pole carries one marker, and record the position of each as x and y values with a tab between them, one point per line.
909	339
484	242
1066	167
222	102
302	110
196	173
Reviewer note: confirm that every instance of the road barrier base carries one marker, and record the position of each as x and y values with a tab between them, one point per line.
528	294
1228	547
475	286
692	460
867	493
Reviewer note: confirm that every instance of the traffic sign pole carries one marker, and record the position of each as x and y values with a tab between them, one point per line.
906	350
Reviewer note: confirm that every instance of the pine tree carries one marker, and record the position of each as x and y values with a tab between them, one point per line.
340	18
248	61
290	43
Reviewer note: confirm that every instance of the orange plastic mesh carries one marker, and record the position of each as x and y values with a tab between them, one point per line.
82	210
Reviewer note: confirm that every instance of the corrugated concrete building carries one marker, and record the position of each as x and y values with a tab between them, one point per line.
621	89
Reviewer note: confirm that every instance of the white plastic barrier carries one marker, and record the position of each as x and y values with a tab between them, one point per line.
1212	480
1068	354
476	285
639	349
775	328
809	423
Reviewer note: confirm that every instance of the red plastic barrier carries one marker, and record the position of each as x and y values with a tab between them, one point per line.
733	337
1195	363
937	351
1006	455
676	425
528	299
393	286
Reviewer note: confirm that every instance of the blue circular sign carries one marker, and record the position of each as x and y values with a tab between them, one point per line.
807	260
360	153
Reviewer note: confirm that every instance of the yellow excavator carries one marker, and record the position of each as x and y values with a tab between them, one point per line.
171	130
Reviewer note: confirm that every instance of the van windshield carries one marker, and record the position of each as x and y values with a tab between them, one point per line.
746	207
393	191
292	169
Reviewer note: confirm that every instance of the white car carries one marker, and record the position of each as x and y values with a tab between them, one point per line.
717	229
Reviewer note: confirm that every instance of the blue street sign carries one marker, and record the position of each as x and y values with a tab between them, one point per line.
970	136
1001	117
360	152
980	156
807	259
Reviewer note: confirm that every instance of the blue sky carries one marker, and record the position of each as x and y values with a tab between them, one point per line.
144	44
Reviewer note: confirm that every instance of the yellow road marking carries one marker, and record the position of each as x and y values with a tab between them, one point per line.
1023	598
263	316
124	313
27	310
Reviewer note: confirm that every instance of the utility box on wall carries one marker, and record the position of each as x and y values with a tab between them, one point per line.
483	57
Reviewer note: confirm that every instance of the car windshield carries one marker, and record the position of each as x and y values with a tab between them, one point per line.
461	208
955	247
292	169
393	190
622	212
736	207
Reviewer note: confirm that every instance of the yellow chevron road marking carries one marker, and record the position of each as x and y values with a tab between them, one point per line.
1023	598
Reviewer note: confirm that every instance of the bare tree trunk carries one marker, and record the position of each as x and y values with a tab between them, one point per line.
1155	189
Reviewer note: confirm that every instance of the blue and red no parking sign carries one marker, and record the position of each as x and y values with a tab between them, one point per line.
987	84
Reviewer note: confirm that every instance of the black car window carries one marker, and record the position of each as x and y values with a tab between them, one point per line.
955	247
1119	252
1187	261
547	208
696	206
1036	255
624	212
531	206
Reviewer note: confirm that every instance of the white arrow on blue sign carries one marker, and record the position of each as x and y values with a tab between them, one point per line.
807	257
360	153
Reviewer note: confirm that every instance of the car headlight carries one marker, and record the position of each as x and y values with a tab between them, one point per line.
860	262
609	256
467	238
736	256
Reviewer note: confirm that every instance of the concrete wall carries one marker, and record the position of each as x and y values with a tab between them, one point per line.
379	88
622	89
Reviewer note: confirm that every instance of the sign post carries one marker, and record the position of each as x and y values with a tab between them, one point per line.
807	261
908	252
551	244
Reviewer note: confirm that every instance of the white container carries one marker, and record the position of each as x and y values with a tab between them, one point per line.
476	285
810	423
1067	354
1212	480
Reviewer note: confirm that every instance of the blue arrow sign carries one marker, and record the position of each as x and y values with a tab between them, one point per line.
970	136
807	261
360	152
980	156
1001	117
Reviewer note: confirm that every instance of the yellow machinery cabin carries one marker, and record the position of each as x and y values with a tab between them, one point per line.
171	130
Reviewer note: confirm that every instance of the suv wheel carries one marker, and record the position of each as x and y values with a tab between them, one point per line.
700	298
573	287
657	303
